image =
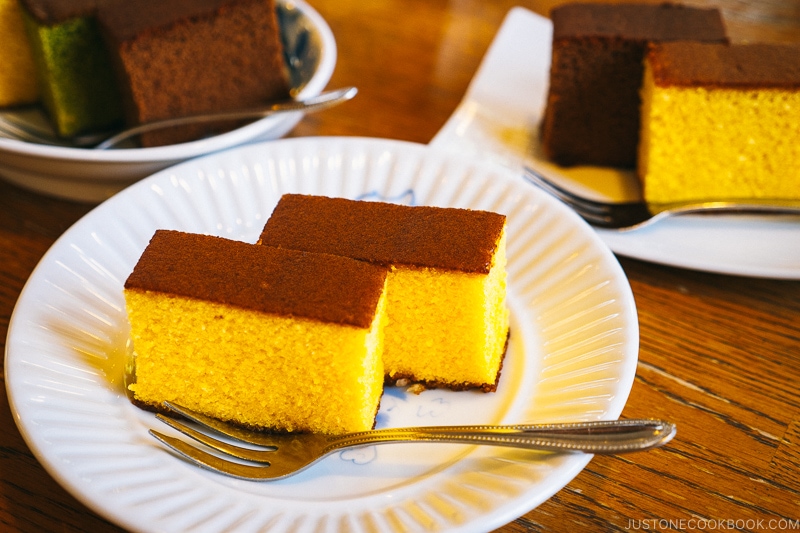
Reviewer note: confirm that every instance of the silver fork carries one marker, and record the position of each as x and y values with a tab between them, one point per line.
627	216
281	455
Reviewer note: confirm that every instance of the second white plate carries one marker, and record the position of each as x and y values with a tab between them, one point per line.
572	353
499	118
94	175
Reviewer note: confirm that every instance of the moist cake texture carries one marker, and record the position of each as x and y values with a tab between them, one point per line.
182	57
258	336
18	83
592	111
720	122
447	313
77	85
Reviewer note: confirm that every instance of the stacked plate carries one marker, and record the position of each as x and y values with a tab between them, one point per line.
95	175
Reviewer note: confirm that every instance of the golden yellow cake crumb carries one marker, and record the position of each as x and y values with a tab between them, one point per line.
257	336
281	373
448	317
447	327
716	139
719	144
18	82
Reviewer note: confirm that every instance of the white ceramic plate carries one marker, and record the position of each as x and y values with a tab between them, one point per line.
499	118
572	353
94	175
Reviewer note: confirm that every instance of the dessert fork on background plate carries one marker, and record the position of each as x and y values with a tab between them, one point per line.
628	216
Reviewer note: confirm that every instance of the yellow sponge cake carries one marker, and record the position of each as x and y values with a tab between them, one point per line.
259	336
447	313
720	122
18	82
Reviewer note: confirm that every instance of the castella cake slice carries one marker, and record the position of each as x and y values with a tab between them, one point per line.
262	337
18	84
720	123
73	67
447	312
175	58
592	111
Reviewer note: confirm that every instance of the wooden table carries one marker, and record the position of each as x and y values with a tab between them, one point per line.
720	355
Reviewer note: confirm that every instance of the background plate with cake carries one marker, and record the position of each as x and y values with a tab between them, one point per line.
572	354
499	119
93	176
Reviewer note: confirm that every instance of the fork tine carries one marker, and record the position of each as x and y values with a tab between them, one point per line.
580	203
242	435
258	456
216	464
12	131
596	213
265	470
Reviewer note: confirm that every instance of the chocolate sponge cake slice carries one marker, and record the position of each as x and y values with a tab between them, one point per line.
175	58
592	112
447	313
258	336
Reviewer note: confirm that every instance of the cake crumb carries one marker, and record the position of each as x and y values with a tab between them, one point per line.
416	388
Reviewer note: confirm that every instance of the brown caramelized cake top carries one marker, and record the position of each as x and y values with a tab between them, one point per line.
323	287
688	64
639	22
125	19
52	12
388	234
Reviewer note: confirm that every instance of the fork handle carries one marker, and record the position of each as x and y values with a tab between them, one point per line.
598	437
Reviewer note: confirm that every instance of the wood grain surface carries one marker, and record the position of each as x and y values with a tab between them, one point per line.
720	355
